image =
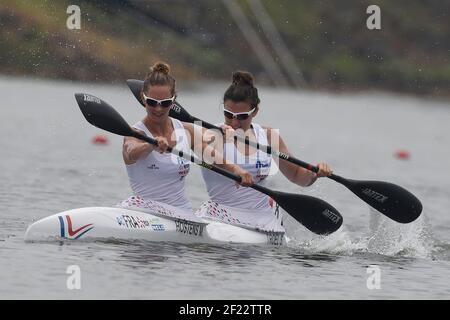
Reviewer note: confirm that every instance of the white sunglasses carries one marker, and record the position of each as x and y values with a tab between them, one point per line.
237	115
152	102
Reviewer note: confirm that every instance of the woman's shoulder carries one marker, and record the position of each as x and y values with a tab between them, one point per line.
187	126
140	126
271	133
268	130
264	126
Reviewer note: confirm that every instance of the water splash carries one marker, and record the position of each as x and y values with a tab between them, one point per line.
387	237
339	242
384	237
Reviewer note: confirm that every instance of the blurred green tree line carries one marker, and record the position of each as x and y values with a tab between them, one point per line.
329	41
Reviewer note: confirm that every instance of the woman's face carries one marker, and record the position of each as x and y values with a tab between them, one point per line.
237	121
158	112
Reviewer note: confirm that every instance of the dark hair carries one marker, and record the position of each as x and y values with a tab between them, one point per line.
242	89
159	75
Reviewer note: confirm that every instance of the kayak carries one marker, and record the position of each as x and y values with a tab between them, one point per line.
143	224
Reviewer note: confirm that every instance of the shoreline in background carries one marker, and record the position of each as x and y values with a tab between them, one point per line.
198	84
121	39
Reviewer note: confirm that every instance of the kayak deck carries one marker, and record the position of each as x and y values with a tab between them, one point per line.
120	223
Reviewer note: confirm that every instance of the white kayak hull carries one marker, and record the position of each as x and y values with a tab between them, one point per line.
125	224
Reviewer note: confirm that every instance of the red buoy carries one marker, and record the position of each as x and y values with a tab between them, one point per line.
402	155
100	139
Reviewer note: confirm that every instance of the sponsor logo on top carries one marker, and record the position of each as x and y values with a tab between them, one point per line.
184	167
153	166
263	169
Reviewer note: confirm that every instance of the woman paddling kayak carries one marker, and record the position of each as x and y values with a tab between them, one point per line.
154	174
245	206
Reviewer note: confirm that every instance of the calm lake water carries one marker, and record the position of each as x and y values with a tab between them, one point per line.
49	165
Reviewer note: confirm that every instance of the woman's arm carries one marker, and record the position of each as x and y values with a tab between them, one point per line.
208	146
134	149
294	173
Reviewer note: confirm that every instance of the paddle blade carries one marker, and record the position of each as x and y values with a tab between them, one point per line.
389	199
178	112
136	87
100	114
315	214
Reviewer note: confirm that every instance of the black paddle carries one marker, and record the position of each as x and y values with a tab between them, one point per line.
315	214
389	199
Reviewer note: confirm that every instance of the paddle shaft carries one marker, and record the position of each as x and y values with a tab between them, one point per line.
269	150
178	112
214	168
391	200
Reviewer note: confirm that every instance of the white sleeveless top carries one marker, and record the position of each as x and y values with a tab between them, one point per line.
160	177
224	190
242	206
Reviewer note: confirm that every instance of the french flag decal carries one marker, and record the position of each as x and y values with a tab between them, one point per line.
72	234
